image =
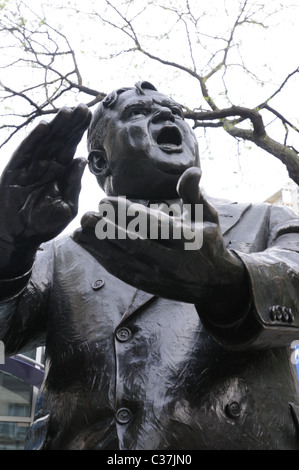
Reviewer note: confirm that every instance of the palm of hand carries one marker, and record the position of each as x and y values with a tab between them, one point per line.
40	186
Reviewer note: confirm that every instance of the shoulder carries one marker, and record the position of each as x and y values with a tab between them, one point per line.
61	247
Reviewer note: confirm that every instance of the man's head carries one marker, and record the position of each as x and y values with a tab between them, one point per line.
139	144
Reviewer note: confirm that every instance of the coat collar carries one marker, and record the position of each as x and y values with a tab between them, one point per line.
229	213
139	299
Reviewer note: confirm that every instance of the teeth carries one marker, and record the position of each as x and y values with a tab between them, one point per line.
169	145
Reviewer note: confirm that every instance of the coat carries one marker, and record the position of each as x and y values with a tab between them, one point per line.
127	370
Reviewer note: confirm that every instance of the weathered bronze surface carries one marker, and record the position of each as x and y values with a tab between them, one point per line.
148	345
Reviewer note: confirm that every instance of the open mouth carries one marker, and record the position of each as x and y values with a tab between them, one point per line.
169	139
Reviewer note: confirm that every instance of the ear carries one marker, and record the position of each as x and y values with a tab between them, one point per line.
98	164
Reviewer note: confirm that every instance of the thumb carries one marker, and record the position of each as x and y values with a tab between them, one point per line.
188	186
189	191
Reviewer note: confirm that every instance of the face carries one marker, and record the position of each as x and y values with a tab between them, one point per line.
148	146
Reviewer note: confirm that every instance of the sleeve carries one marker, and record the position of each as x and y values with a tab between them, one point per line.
272	317
24	304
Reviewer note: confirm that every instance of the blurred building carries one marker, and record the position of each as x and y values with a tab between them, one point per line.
20	378
287	196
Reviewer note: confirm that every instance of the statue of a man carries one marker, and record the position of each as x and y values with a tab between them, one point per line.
149	345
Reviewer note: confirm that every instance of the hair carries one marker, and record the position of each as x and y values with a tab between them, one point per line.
97	129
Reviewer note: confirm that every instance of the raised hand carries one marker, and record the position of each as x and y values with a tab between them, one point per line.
40	186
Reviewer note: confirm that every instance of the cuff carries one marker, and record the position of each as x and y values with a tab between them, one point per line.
10	288
236	335
273	317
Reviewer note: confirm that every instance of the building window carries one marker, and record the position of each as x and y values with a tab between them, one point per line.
17	400
12	435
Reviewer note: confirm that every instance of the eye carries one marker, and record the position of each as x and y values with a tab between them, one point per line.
138	112
177	112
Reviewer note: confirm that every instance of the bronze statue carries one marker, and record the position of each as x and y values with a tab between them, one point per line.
149	346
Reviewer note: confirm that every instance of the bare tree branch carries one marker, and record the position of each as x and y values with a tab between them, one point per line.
38	44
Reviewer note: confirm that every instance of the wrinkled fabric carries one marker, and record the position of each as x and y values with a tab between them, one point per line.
127	370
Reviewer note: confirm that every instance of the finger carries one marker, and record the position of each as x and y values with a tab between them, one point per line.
188	186
73	134
144	249
89	220
79	122
59	124
55	140
127	250
81	116
142	264
66	131
44	142
133	220
115	260
53	146
68	122
72	183
24	153
188	189
134	271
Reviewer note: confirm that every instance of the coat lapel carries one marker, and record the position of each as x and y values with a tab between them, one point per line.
229	213
139	299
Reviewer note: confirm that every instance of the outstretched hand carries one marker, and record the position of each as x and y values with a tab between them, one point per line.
206	273
40	186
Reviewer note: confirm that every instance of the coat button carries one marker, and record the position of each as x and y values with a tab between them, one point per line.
123	415
123	334
272	311
233	410
281	314
287	315
98	284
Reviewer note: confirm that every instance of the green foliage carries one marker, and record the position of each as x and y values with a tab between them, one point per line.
3	4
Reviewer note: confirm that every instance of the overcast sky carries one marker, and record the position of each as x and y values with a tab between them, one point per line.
251	175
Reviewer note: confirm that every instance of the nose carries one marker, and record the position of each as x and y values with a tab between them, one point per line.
163	114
